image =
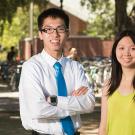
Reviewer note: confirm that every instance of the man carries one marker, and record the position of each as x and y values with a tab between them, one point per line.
49	101
73	54
11	55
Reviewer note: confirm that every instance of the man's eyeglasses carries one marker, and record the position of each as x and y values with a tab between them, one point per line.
59	29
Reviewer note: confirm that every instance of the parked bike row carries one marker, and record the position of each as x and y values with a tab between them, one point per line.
97	70
10	73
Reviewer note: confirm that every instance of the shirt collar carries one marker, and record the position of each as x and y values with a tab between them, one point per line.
50	60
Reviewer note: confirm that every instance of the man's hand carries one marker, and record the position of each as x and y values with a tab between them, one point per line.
81	91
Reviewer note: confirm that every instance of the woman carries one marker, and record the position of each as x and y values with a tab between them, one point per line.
118	95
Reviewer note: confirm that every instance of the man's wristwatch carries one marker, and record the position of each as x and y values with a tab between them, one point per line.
53	100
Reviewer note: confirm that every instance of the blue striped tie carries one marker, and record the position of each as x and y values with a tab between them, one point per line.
67	123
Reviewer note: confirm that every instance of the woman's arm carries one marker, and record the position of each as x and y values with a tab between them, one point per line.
103	121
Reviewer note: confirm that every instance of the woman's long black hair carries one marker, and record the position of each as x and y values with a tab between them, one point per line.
116	73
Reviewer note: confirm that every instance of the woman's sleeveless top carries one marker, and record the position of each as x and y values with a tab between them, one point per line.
121	114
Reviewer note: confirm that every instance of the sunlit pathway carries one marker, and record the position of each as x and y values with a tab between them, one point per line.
90	122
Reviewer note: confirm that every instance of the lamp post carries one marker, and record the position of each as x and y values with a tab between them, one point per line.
61	4
31	19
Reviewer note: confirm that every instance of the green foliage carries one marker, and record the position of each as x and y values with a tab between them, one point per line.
101	22
3	56
7	10
101	26
95	5
15	30
107	20
17	27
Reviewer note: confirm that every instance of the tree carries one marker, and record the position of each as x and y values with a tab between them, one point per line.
8	9
111	17
16	26
122	19
101	20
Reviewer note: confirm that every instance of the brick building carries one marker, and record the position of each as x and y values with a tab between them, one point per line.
86	46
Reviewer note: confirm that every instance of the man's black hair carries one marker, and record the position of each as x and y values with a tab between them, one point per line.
54	13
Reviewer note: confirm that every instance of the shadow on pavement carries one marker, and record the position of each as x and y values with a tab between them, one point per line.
10	123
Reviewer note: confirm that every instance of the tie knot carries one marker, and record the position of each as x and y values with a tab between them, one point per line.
57	66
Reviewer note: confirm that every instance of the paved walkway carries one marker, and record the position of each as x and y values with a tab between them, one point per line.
10	123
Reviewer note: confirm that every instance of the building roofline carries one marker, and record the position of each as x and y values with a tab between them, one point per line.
77	10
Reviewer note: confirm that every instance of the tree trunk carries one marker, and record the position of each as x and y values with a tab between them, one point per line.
121	18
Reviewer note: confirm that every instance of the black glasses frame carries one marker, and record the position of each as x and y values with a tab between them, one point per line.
59	29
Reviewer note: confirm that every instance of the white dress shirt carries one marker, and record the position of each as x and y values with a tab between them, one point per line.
38	81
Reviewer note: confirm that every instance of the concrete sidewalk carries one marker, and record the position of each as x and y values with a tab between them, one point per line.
10	123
